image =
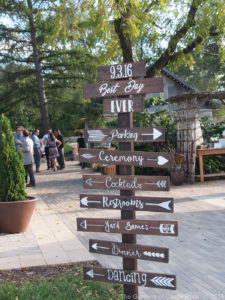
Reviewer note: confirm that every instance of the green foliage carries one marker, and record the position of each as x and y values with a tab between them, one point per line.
161	118
215	163
12	173
211	130
69	286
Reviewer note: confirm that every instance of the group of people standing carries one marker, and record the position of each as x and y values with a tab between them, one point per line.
33	148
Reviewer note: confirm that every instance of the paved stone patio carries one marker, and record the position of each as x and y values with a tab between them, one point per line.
196	255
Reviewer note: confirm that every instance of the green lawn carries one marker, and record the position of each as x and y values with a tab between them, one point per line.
68	286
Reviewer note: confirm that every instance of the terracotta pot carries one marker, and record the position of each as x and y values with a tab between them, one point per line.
177	177
15	215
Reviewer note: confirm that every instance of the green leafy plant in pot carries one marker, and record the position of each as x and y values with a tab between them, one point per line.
16	208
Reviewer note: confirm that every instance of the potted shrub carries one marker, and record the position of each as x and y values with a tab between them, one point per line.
16	208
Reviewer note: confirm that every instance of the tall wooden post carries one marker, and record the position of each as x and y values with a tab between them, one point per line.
125	120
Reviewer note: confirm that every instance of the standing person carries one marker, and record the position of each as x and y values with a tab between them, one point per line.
37	149
81	144
60	158
27	147
18	136
53	150
45	140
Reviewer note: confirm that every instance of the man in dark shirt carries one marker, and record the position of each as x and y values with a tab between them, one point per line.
60	159
81	144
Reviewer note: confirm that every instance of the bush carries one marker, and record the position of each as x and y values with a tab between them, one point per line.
12	173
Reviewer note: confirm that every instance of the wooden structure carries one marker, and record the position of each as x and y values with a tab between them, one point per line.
186	115
202	152
126	96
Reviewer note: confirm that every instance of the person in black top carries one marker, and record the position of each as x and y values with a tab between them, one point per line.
81	144
60	158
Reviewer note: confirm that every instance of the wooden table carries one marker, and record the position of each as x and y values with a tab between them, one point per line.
210	151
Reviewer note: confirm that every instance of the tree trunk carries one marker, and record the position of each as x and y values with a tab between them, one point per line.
38	71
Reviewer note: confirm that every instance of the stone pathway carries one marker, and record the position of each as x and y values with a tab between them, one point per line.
196	255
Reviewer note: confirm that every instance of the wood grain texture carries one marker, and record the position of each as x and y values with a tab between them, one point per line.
123	88
125	182
129	226
154	280
156	204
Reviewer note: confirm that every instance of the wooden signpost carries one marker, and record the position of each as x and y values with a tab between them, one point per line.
128	226
126	202
120	71
124	87
124	92
155	134
154	280
123	105
130	251
123	182
136	158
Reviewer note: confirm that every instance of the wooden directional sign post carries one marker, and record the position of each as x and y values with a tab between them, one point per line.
137	158
126	202
129	251
155	134
123	94
135	278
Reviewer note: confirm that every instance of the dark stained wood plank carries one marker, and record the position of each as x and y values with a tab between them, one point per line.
146	134
127	202
123	182
119	71
154	280
123	105
130	226
124	87
129	158
129	250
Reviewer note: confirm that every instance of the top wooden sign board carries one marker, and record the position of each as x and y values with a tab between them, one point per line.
119	71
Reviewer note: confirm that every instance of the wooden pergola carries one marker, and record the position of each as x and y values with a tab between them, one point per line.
186	115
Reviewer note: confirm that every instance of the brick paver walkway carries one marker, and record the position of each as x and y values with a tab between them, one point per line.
196	255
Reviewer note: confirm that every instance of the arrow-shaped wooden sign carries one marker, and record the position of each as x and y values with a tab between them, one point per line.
124	87
129	250
147	134
130	226
142	183
137	158
154	280
127	203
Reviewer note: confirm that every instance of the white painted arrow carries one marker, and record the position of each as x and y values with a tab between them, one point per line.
85	225
159	183
163	281
88	155
162	204
92	274
85	201
156	133
96	135
96	247
90	182
160	160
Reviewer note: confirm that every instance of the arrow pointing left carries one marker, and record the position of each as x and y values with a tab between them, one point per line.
91	274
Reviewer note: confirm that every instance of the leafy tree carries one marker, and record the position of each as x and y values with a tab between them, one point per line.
12	173
36	67
160	32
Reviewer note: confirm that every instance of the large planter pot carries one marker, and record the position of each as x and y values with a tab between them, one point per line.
15	215
177	177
